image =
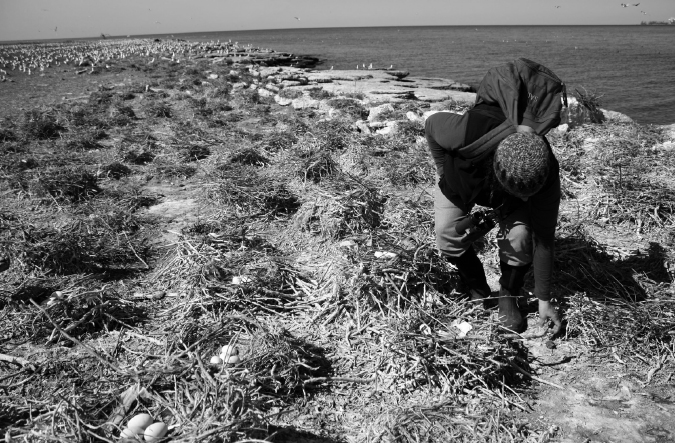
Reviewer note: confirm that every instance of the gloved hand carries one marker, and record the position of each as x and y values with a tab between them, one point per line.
548	311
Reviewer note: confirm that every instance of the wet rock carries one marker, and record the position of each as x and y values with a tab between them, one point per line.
665	147
362	126
305	103
410	115
616	117
282	101
265	93
669	131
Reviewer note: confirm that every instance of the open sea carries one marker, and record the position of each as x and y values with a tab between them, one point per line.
631	67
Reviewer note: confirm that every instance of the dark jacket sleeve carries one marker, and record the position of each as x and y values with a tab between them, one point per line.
444	132
544	218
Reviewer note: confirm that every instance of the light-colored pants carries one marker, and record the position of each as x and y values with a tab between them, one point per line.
514	237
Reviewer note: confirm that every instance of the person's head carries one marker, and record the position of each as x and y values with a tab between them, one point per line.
521	164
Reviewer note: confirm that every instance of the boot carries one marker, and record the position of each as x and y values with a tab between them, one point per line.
473	276
511	282
509	313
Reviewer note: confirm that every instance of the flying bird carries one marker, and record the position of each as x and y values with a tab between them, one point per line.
557	7
297	18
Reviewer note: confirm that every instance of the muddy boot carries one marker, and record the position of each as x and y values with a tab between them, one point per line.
473	276
509	315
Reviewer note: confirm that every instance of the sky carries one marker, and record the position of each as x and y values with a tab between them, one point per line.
46	19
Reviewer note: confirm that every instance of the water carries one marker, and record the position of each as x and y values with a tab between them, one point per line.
632	67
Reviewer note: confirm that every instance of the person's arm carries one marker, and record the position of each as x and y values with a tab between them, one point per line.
544	217
444	132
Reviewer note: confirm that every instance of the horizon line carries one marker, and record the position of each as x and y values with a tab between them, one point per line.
287	29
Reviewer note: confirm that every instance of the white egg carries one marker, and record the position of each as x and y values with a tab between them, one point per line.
128	433
155	431
215	360
139	422
233	360
227	351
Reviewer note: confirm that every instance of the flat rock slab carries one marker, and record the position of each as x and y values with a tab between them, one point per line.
377	85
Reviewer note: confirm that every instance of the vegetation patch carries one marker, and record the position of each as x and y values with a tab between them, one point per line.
40	124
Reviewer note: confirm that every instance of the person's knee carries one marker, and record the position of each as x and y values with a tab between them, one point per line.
515	248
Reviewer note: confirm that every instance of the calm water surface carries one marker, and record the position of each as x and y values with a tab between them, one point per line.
632	67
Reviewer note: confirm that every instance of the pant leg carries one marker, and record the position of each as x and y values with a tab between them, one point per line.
515	238
447	215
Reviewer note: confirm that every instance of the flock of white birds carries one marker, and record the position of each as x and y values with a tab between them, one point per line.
35	58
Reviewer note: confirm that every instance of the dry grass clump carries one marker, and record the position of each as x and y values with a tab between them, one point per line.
120	115
170	170
409	168
116	170
193	153
285	365
591	101
83	116
290	93
157	108
318	93
428	353
250	194
410	131
278	141
617	301
251	99
40	124
7	135
89	242
249	156
310	163
139	155
344	209
622	159
334	135
83	140
352	107
77	310
73	184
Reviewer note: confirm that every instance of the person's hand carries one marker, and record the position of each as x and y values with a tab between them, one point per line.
548	311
